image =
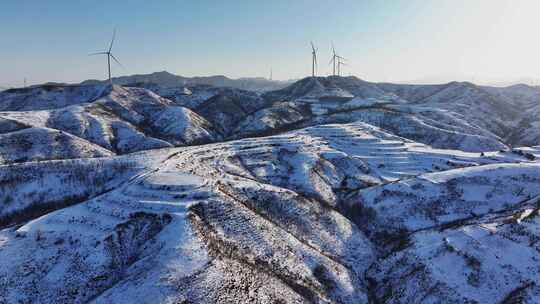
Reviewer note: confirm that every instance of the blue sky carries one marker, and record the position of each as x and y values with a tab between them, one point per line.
396	40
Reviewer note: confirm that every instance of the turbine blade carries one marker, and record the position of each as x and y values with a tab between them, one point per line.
98	53
114	58
313	47
112	40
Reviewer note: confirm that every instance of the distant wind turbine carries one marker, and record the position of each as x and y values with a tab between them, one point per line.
333	60
339	64
313	59
336	61
109	55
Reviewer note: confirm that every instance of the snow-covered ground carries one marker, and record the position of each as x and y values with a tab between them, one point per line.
333	190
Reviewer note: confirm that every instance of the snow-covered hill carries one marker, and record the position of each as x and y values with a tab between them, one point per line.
511	113
314	101
465	235
332	190
44	144
171	225
526	100
121	120
48	97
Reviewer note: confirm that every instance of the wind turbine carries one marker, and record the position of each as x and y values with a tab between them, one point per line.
109	55
333	60
313	59
336	60
339	64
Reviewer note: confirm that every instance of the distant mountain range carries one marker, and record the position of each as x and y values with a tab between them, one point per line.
495	82
167	79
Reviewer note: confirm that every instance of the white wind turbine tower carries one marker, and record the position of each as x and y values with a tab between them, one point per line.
313	59
336	61
333	60
109	55
340	62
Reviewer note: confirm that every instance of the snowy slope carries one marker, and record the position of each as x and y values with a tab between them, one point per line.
123	120
31	189
477	105
313	101
510	112
264	218
326	87
490	258
48	97
228	107
192	96
45	144
439	199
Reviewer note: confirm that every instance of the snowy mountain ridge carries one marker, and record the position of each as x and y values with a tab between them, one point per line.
331	190
167	79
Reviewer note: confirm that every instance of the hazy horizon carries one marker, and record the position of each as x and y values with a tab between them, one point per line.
486	42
